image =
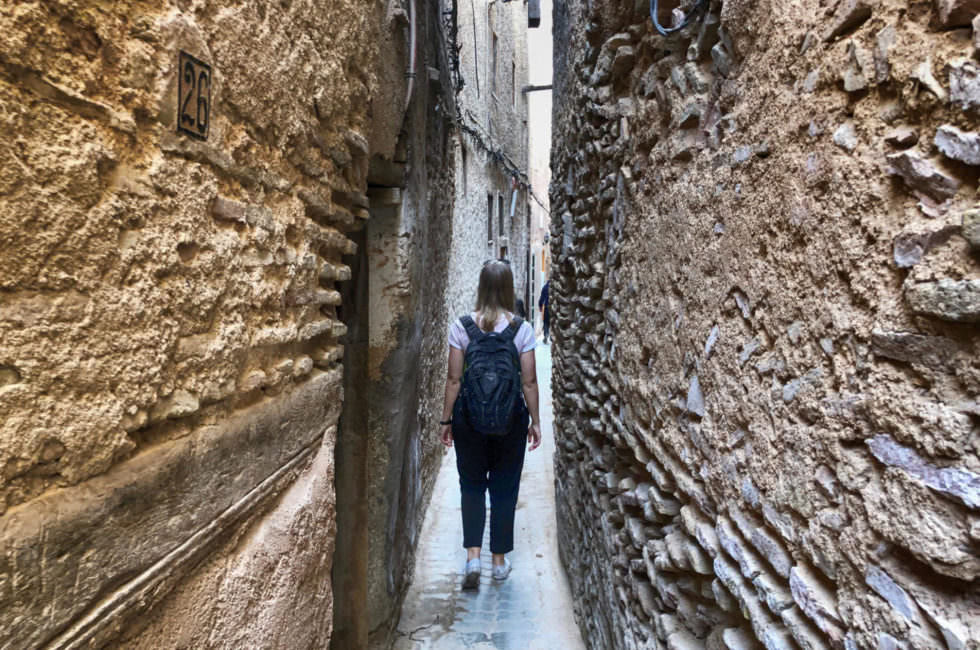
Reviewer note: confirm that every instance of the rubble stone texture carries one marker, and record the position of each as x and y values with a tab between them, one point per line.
767	363
171	333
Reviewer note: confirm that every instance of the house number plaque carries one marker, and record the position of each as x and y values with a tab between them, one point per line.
194	96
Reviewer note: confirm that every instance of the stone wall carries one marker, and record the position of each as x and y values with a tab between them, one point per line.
767	294
170	347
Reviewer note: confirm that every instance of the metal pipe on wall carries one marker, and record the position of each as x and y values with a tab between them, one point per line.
413	31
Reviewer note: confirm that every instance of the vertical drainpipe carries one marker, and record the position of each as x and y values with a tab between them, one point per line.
410	73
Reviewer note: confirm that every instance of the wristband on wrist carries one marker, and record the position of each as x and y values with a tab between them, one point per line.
445	422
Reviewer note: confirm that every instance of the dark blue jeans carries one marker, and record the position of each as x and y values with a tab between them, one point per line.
494	463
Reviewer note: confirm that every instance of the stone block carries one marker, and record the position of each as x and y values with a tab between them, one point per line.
622	62
698	560
961	485
228	209
777	638
963	146
773	593
888	589
178	404
660	476
806	635
845	136
971	227
772	550
647	597
723	597
849	15
921	176
816	600
884	40
607	54
902	137
662	503
936	352
951	300
695	398
736	638
675	543
737	549
888	642
923	73
779	522
957	13
964	84
910	247
722	59
750	493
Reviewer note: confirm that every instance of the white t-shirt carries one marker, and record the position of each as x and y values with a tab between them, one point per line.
524	339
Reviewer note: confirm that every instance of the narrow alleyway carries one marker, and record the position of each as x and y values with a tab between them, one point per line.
533	608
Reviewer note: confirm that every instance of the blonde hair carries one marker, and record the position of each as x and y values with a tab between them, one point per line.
495	294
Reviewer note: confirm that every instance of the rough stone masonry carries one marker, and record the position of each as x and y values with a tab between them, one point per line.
767	291
171	333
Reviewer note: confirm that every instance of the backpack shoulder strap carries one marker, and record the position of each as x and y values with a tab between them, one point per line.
472	331
511	331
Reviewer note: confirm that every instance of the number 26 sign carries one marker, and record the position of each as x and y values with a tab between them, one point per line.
194	97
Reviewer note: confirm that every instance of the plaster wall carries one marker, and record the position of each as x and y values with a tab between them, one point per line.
766	281
540	52
170	349
492	148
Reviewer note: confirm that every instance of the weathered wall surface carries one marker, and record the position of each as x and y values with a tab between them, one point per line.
491	147
766	321
540	49
170	377
409	255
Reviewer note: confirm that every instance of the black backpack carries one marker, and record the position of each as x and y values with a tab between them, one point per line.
491	387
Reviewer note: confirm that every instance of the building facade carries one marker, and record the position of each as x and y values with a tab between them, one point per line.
492	214
539	94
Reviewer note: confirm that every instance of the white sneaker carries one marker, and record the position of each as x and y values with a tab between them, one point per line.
471	577
501	572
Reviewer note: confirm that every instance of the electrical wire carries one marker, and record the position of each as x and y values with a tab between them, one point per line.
667	31
465	121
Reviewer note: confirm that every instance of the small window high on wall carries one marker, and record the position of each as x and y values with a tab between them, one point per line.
513	84
493	66
500	214
489	219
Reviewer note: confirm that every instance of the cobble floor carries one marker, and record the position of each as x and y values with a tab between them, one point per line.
532	609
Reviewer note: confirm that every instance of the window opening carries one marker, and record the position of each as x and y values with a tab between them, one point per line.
493	67
500	213
490	219
513	84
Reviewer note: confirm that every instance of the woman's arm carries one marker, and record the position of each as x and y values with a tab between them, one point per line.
529	385
453	376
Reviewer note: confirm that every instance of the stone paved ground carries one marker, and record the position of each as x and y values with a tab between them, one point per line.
532	609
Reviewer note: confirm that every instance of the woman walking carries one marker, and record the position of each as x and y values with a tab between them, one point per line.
490	410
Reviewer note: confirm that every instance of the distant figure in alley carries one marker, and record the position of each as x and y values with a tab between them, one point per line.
543	308
486	416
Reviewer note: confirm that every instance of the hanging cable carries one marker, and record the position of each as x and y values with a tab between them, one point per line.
667	31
